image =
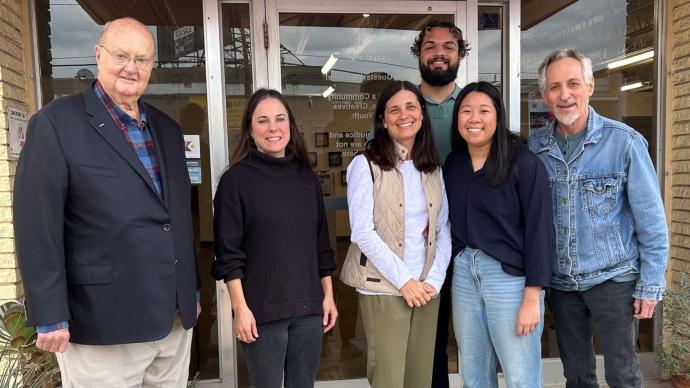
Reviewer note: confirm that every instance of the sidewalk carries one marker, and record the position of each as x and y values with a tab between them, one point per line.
647	384
455	383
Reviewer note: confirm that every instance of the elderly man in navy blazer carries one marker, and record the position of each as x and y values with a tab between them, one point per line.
103	225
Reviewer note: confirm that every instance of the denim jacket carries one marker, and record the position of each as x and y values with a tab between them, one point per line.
607	210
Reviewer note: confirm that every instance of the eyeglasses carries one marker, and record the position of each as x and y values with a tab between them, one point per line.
122	59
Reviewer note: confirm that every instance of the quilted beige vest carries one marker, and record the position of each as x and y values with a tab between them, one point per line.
389	223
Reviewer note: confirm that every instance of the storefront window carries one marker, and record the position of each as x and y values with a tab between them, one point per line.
67	33
490	44
607	31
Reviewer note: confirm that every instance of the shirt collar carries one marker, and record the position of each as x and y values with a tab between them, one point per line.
593	129
122	117
400	151
452	96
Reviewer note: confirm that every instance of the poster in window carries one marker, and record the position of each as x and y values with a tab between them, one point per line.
326	181
192	147
194	171
539	115
321	139
335	159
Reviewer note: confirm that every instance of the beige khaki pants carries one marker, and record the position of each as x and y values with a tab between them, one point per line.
160	364
400	341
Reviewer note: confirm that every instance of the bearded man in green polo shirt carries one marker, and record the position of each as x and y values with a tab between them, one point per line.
439	48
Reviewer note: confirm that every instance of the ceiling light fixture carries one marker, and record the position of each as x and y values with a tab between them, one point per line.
328	92
329	64
631	59
635	85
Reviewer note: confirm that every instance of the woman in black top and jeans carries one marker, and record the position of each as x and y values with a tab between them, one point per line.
272	247
503	241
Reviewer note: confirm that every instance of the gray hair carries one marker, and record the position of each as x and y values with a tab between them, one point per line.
586	63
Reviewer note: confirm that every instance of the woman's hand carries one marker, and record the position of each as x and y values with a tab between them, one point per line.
530	311
330	313
245	325
415	293
431	290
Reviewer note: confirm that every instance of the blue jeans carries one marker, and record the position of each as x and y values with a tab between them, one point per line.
290	346
608	309
486	302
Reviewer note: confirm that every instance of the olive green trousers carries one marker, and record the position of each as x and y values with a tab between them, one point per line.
400	341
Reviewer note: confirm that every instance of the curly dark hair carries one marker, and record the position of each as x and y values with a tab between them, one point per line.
463	45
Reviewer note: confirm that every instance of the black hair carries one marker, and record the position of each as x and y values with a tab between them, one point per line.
245	142
463	45
381	149
503	142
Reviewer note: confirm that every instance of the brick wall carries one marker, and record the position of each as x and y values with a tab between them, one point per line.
678	137
12	95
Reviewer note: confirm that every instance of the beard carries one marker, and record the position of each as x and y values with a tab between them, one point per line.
567	119
437	77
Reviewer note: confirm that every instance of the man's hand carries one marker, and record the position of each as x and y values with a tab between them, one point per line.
643	309
54	341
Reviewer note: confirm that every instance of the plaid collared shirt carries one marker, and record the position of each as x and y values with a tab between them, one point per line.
137	134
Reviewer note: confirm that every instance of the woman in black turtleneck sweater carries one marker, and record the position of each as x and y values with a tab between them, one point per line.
272	247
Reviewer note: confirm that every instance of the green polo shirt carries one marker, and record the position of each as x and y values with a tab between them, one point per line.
441	116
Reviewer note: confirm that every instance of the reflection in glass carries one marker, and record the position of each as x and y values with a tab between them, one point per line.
490	45
606	31
67	33
333	67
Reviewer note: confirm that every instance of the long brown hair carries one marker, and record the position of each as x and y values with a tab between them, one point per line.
504	141
381	150
245	142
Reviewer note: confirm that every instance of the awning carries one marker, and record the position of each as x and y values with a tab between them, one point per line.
149	12
534	12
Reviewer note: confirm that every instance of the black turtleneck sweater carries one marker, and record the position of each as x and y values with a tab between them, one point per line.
270	231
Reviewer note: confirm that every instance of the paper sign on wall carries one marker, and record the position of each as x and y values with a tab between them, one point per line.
16	123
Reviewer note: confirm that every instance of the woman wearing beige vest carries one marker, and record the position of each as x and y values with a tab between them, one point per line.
400	240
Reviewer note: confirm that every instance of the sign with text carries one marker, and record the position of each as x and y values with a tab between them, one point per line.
16	123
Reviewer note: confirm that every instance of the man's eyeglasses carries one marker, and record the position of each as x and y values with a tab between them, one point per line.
123	59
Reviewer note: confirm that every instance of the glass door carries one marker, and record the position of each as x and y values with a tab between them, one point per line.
331	66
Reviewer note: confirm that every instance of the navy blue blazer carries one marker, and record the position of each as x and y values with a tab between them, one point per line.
97	245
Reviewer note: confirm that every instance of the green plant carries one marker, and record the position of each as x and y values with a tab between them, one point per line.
674	356
21	362
194	381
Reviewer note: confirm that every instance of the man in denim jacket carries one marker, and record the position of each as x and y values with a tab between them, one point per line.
612	238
